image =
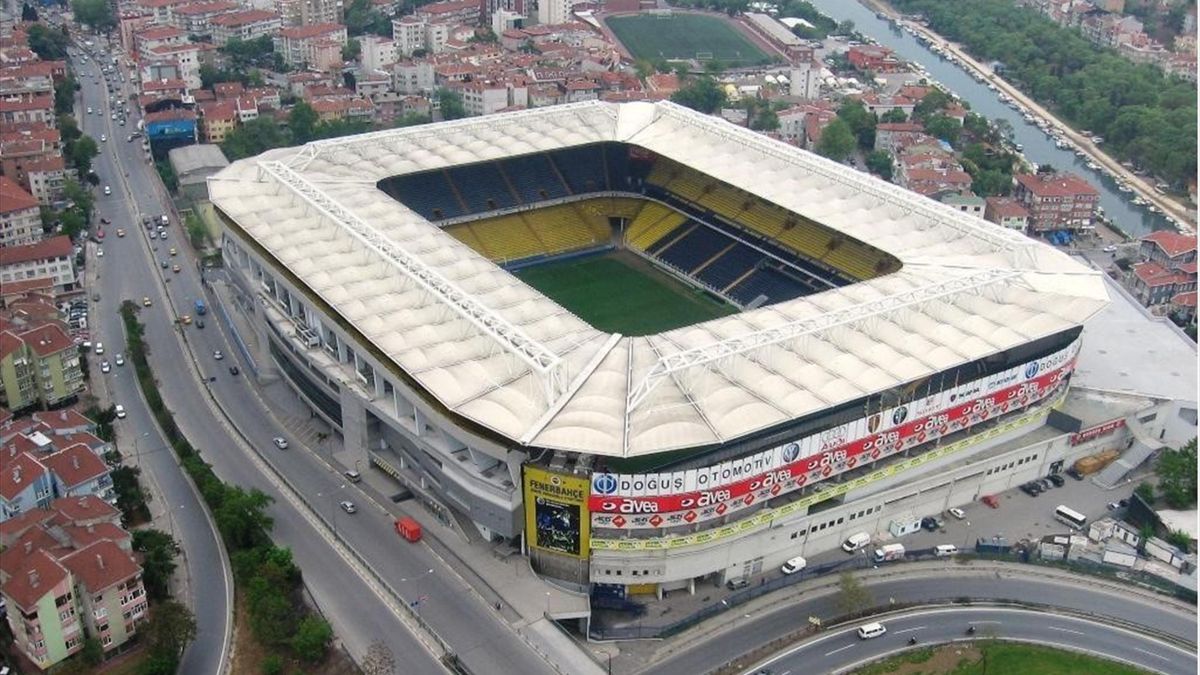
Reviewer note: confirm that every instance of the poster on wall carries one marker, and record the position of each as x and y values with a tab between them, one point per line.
556	512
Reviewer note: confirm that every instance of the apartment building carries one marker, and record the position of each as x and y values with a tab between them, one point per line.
69	572
33	109
20	219
157	36
47	258
247	25
194	18
1006	212
377	52
1056	201
309	12
180	61
303	46
39	366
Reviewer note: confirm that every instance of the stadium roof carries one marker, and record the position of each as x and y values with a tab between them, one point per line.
497	352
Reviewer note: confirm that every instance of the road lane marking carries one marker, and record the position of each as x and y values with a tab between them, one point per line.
1065	630
839	649
909	630
1150	653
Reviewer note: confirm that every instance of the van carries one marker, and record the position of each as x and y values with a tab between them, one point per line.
794	565
944	550
353	476
856	542
871	630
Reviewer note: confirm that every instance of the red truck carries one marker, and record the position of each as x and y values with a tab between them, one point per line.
408	528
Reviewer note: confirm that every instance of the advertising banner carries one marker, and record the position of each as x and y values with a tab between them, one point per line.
556	512
1097	431
650	501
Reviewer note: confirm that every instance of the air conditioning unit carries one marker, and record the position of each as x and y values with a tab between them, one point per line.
308	336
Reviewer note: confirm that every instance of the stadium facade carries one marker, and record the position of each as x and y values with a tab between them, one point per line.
875	338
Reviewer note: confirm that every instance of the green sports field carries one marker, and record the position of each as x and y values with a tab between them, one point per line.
619	293
684	36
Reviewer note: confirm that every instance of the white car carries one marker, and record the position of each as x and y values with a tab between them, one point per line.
1111	248
280	442
120	360
107	190
218	355
103	138
104	367
99	253
957	513
348	507
120	411
99	348
89	111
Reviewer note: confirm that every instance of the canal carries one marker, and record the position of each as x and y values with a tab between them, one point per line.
1038	147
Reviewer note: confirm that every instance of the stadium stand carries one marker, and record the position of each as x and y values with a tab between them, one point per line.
544	232
731	265
652	223
533	178
769	282
428	193
694	248
482	187
582	168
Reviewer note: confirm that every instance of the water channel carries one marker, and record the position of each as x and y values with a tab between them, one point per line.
1038	147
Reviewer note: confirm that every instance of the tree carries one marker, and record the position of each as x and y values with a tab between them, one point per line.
894	115
243	54
253	138
351	50
271	614
166	173
272	665
852	597
170	628
82	152
703	94
861	122
935	101
311	638
96	14
302	123
1146	492
411	120
943	127
242	519
451	104
64	95
880	164
837	141
47	43
29	15
131	500
379	660
195	229
158	561
80	197
1176	471
977	125
92	652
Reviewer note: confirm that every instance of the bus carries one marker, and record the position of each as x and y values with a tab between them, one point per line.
1071	517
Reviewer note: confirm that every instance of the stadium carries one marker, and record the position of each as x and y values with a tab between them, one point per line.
641	343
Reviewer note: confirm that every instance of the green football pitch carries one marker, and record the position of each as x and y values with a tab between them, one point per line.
684	36
620	293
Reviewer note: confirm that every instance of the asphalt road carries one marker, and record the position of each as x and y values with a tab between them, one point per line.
841	649
754	630
471	629
204	560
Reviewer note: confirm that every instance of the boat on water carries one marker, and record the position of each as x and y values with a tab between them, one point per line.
1153	209
1124	187
1093	166
1019	147
1080	153
1138	201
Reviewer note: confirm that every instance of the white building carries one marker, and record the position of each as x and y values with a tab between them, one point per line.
49	258
412	77
20	220
554	11
377	52
408	34
805	80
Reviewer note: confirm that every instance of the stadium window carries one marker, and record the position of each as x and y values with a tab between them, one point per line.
840	521
635	573
794	535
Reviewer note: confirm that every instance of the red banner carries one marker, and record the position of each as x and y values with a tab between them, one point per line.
1097	431
836	460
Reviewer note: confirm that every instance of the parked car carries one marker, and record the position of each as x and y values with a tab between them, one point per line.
120	410
737	583
105	367
120	359
1058	480
991	501
280	442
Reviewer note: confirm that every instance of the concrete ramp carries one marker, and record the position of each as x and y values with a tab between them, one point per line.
1144	445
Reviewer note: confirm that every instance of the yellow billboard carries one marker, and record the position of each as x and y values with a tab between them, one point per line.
556	512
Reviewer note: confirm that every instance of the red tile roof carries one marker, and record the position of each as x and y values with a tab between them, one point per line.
205	8
67	418
1153	274
47	339
1172	243
243	18
85	508
86	535
1056	185
1187	299
1006	207
899	126
315	30
38	576
9	343
158	33
101	565
75	465
20	471
55	247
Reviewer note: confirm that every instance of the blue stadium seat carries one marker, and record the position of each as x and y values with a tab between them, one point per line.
533	178
427	193
732	264
482	187
766	281
694	248
582	167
